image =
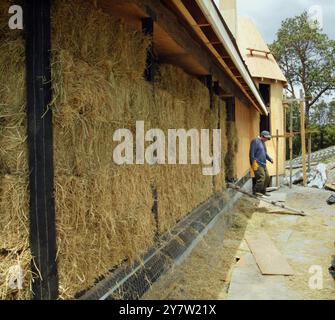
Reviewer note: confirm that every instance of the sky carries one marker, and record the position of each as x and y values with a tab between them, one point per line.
268	14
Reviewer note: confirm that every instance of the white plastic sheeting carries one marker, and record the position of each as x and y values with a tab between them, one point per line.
316	178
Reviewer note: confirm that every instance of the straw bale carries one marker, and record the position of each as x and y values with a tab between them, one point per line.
4	5
14	218
100	222
183	102
103	211
98	39
14	234
13	151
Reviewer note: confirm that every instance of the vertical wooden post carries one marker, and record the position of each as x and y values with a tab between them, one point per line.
285	132
277	158
40	145
303	136
291	144
309	151
285	118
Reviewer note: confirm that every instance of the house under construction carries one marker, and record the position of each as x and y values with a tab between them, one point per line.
72	220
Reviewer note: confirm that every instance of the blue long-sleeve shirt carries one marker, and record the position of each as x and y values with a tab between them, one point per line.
259	152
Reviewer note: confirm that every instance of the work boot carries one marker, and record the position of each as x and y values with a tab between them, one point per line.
258	195
266	194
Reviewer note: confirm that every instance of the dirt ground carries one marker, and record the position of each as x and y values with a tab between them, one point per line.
222	266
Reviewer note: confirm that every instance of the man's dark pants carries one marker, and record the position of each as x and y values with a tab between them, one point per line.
262	180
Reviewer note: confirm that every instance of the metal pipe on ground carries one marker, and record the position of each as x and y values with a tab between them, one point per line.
274	203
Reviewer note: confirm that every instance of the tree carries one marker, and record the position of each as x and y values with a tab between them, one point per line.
323	120
306	56
323	113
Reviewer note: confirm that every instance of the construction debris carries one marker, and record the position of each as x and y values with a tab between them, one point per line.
331	200
296	178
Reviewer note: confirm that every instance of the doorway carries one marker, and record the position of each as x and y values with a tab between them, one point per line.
265	121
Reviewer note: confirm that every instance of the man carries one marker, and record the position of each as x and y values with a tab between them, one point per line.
258	157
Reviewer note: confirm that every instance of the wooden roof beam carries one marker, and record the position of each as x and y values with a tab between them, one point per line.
169	21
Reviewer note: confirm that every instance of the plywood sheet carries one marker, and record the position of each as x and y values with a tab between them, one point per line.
269	260
247	283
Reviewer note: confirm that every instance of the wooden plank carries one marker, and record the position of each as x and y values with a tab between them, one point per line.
291	146
330	186
269	260
277	158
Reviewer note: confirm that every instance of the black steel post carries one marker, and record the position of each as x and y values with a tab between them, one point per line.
148	29
216	88
40	144
209	83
